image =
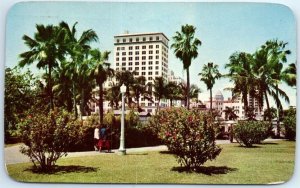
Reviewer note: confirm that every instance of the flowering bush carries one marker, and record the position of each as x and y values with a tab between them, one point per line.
48	136
190	135
248	133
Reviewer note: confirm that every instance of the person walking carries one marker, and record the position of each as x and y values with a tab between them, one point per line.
96	137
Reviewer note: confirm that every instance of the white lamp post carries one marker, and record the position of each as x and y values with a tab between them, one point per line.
122	149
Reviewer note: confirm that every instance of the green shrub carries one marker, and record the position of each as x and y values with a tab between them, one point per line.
48	136
190	135
289	122
248	133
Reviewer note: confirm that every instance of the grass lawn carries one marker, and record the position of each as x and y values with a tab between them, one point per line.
265	163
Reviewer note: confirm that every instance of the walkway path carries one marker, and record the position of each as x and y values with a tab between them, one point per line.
13	154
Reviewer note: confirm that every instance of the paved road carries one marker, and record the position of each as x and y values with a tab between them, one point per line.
13	155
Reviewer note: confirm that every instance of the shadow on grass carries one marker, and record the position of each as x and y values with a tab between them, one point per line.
137	154
207	170
252	147
165	152
63	169
269	143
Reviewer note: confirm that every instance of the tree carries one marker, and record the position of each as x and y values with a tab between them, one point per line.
241	73
185	48
270	113
20	89
209	75
46	49
159	89
101	72
230	113
78	50
113	95
140	88
173	92
126	78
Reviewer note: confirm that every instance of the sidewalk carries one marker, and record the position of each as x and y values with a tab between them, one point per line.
13	154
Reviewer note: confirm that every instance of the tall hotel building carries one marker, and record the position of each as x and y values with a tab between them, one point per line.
147	55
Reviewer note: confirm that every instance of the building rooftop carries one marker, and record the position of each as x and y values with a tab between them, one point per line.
140	34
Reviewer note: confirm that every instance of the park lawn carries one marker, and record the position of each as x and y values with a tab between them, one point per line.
265	163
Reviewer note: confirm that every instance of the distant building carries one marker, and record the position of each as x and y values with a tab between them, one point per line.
220	105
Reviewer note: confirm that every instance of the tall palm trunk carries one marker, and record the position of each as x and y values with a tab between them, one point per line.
101	103
278	112
210	92
74	100
50	87
187	88
245	100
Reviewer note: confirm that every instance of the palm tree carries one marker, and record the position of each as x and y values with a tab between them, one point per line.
126	78
172	92
78	50
140	88
241	73
185	48
101	72
209	75
230	113
289	75
194	91
159	89
113	95
47	50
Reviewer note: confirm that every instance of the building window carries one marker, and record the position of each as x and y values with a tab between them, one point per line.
144	39
150	78
150	68
157	57
157	46
143	52
137	58
156	72
124	40
130	53
136	73
156	67
118	48
150	38
143	68
150	62
117	69
117	59
150	73
136	63
123	64
123	53
130	68
130	39
137	53
143	63
157	51
130	63
117	54
130	48
123	69
143	57
123	48
150	52
137	39
143	73
136	68
156	62
117	64
123	58
157	38
143	47
150	57
118	40
137	47
150	46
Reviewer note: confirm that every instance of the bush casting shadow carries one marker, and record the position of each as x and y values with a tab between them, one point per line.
207	170
269	143
63	169
166	152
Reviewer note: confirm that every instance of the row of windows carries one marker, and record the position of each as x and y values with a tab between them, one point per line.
138	47
138	39
138	63
138	53
137	58
137	73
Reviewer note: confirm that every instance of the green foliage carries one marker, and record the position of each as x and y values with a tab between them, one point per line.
20	89
190	135
248	133
48	136
132	119
289	122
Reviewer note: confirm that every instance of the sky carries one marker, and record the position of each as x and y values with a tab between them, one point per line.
223	29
